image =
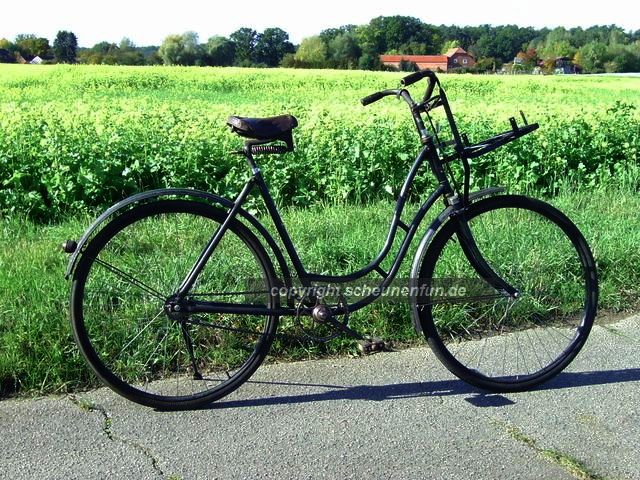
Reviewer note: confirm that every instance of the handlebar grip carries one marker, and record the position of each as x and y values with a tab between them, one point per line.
374	97
412	78
415	76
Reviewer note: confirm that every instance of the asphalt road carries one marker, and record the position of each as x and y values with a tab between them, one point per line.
389	415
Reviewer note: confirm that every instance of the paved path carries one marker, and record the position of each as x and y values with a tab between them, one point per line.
391	415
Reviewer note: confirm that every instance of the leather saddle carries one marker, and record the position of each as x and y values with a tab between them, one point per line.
265	129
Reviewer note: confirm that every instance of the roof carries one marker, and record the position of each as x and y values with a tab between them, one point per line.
425	58
414	58
452	51
24	58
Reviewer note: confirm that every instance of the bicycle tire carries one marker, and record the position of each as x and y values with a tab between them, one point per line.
119	324
538	250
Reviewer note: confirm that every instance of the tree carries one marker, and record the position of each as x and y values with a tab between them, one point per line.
390	33
503	42
616	36
151	55
369	61
30	45
557	35
329	34
289	61
126	53
464	36
448	45
6	44
561	48
344	51
622	58
245	40
96	54
312	52
6	56
413	48
7	51
126	44
65	47
592	57
272	45
180	49
191	50
528	59
171	50
220	51
487	64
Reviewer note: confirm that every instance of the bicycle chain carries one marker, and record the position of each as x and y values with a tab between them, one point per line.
194	320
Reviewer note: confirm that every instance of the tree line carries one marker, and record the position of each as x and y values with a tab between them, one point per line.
28	46
594	49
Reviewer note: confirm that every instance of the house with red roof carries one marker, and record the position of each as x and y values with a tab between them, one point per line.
453	58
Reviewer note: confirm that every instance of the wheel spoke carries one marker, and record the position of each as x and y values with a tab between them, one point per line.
131	279
141	331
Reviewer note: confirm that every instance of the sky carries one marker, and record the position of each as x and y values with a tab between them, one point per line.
148	22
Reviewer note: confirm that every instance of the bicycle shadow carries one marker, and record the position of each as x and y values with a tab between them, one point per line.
439	388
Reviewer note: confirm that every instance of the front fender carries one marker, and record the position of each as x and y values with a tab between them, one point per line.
153	195
426	240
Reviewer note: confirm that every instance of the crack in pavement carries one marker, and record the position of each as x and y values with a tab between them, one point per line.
571	465
91	406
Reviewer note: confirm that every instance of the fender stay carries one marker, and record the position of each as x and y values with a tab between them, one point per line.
426	240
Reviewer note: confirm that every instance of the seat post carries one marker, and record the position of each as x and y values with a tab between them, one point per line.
248	155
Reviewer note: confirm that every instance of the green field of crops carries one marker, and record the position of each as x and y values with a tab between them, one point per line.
73	137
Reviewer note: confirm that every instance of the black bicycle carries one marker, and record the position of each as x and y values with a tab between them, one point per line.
177	294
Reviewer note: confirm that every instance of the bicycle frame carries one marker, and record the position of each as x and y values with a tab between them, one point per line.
455	203
308	278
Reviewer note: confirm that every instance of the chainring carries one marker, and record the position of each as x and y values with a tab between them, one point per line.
320	331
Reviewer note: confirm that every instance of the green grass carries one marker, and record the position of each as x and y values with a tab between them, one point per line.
37	352
75	139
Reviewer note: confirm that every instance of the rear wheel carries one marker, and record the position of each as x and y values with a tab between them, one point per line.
120	287
484	335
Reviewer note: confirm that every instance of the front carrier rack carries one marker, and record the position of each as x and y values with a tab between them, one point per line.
491	144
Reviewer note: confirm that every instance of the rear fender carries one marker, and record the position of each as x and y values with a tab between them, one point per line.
154	195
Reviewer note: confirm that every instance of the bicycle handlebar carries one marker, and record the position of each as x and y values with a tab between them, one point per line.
374	97
406	81
416	76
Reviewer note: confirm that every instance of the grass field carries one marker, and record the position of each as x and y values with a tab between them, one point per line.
75	139
38	352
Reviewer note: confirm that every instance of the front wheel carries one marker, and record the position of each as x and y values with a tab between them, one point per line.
516	332
123	280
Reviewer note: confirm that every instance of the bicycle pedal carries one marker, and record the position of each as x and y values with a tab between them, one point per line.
371	345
